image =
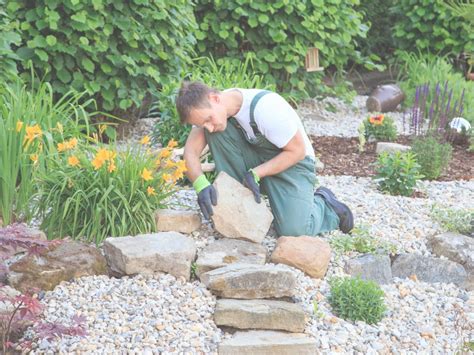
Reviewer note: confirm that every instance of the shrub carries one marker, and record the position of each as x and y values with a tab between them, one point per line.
355	299
8	37
432	156
93	192
397	173
277	35
117	51
454	220
380	127
30	121
360	241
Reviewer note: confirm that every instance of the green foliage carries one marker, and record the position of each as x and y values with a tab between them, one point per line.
455	220
30	121
431	26
355	299
380	127
8	36
397	173
360	241
117	51
277	35
432	156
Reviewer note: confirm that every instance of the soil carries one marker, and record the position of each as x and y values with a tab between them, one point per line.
341	157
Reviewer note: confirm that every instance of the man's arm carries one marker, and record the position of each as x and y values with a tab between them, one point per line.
291	153
193	148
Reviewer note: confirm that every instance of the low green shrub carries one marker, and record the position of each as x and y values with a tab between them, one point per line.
397	173
380	127
355	299
8	37
456	220
361	241
432	156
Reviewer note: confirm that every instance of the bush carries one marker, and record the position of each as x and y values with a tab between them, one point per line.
432	156
277	35
431	26
93	192
117	51
380	127
360	241
397	173
355	299
454	220
8	37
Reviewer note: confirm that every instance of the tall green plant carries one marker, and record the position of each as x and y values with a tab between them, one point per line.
30	122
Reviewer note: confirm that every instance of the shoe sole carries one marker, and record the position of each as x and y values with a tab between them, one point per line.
347	222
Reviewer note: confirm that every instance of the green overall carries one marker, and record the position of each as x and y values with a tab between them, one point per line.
297	211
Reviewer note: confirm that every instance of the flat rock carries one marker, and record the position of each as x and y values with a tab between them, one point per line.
169	252
388	147
249	281
237	215
229	251
458	248
260	314
429	269
370	267
309	254
260	342
63	262
177	221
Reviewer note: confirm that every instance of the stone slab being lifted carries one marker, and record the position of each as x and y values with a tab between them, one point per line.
229	251
249	281
261	342
260	314
169	252
237	215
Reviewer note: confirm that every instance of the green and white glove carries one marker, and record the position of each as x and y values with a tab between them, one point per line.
207	195
252	182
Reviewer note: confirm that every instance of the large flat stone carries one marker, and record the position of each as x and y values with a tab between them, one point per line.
260	314
177	221
229	251
387	147
429	269
370	267
309	254
237	215
262	342
169	252
248	281
458	248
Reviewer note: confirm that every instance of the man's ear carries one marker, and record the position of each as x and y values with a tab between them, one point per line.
214	97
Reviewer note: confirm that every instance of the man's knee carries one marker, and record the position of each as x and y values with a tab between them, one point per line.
290	229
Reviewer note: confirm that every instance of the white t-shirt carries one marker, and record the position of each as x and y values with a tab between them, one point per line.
276	120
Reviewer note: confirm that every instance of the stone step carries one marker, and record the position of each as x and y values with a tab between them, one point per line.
261	342
260	314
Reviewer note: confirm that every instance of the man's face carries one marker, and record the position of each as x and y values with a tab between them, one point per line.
213	118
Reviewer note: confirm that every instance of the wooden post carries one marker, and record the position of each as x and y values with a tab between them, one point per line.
312	60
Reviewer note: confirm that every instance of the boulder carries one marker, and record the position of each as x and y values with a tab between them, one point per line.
309	254
370	267
385	98
260	342
229	251
237	215
169	252
458	248
63	262
249	281
260	314
388	147
429	269
177	221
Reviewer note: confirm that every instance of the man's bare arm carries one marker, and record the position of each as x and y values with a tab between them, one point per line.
193	148
291	154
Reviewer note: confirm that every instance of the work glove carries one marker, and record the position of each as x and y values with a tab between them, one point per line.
251	181
207	195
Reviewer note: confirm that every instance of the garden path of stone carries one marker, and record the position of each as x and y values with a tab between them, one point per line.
164	314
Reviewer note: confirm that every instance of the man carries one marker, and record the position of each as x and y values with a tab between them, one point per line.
256	137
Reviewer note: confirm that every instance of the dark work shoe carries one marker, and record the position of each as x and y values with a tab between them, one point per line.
346	219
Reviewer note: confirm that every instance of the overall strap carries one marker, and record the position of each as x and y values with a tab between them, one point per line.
252	109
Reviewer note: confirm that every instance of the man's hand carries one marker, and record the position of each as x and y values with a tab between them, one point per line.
207	195
251	181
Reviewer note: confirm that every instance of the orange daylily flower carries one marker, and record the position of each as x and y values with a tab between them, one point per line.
164	153
172	143
145	140
146	174
73	160
34	158
32	132
150	191
19	125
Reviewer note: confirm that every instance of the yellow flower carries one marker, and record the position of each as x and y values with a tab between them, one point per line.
169	164
167	178
19	125
181	166
97	163
178	174
172	143
34	158
61	147
72	143
145	140
150	191
67	145
111	167
102	156
73	161
146	174
32	132
164	153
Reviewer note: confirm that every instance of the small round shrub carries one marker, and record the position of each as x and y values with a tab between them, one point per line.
380	127
356	299
432	156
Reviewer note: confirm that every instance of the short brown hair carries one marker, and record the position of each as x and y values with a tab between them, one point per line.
192	94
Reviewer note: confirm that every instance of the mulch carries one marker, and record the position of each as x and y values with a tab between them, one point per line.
341	156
